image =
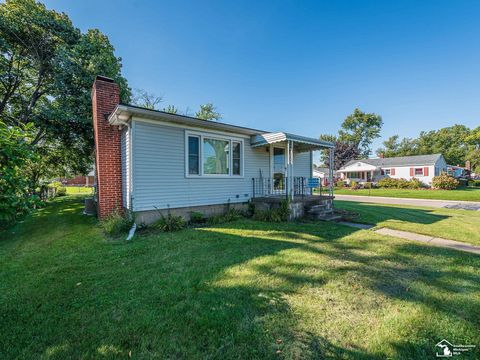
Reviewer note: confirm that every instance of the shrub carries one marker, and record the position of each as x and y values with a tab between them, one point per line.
354	184
445	182
230	215
367	185
462	182
170	223
414	183
475	183
277	214
117	223
197	217
391	183
340	183
61	191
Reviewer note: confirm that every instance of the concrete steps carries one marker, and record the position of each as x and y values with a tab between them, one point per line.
322	212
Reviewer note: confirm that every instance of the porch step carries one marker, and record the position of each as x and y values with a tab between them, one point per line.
319	210
329	217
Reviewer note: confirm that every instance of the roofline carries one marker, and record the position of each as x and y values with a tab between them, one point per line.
272	138
124	112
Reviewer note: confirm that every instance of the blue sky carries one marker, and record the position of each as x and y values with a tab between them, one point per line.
300	66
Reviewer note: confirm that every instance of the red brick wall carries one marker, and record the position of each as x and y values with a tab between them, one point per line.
108	162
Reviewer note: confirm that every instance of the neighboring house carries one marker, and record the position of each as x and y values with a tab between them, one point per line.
458	171
151	161
80	180
322	173
422	167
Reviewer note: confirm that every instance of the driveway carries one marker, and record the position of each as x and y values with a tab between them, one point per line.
465	205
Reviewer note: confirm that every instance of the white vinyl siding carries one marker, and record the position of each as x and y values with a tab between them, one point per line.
302	164
159	171
126	167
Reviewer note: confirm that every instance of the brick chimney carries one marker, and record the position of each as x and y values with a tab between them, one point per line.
108	162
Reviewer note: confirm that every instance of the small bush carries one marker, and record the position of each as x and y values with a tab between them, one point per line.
463	182
340	183
391	183
197	217
277	214
475	183
414	183
445	182
367	185
230	215
61	191
354	184
117	224
170	223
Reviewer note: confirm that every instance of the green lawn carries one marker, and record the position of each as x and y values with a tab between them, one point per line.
82	190
243	290
461	225
464	194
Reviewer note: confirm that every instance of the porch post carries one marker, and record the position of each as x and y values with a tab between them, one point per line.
290	169
330	171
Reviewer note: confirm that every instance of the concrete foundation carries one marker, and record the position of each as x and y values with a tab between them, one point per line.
150	216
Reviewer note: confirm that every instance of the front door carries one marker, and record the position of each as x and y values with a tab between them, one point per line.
278	169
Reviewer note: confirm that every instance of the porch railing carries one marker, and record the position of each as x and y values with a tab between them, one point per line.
264	187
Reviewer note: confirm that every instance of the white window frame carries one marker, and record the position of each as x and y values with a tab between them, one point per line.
202	135
388	171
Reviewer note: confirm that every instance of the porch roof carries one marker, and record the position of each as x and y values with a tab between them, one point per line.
302	143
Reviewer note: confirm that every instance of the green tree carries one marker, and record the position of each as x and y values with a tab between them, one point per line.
392	147
47	67
15	152
473	154
360	129
449	141
171	109
208	112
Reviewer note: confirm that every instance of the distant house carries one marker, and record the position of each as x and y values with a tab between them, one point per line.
457	171
322	174
80	180
422	167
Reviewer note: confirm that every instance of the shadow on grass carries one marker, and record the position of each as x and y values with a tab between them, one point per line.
376	213
218	293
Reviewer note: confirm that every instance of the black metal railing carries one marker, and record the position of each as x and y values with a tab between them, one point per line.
263	187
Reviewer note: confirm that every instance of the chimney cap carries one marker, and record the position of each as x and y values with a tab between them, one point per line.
104	78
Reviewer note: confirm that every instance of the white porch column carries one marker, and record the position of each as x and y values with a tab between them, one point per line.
289	183
330	171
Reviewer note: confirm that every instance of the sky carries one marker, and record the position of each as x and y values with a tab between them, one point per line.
300	66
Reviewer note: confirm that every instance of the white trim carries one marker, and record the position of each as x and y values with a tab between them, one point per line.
188	127
202	135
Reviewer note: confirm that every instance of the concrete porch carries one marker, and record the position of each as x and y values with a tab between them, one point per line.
316	206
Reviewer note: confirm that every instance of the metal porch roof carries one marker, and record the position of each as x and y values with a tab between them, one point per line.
272	138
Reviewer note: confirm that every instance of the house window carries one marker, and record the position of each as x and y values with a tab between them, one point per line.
418	171
216	156
236	157
209	155
387	171
193	155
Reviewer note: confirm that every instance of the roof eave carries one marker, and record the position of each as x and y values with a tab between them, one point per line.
124	113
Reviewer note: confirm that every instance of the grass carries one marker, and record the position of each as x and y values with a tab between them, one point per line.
79	190
242	290
463	194
461	225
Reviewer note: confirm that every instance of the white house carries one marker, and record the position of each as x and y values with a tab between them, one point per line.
150	161
422	167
